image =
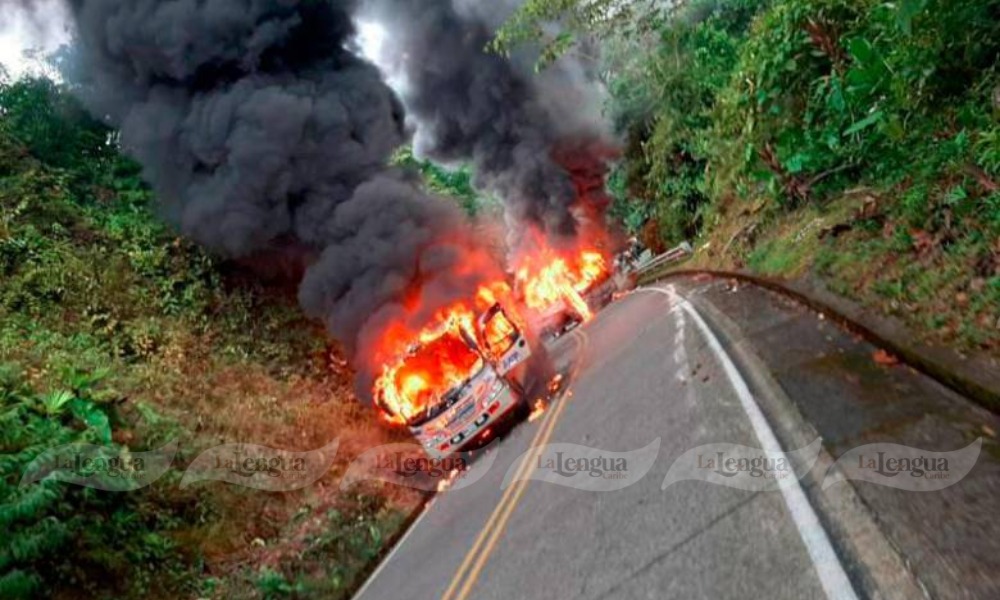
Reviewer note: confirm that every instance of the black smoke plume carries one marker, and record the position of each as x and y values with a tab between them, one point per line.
527	135
261	132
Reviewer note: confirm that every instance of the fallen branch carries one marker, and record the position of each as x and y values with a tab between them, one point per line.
982	178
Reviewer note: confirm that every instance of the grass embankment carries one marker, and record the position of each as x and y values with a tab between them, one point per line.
946	290
113	331
851	140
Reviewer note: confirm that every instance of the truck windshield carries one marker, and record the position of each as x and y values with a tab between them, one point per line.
434	376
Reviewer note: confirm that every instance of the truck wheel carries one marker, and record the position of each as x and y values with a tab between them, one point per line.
523	409
537	376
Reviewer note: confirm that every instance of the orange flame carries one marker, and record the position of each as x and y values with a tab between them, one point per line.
421	366
438	361
432	361
549	278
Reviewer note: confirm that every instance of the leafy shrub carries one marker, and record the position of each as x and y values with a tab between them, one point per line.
56	130
453	183
742	118
47	522
667	99
859	88
115	331
93	286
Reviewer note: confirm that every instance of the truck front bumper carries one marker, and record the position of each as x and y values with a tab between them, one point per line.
491	421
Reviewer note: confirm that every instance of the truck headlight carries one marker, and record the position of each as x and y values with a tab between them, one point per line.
494	390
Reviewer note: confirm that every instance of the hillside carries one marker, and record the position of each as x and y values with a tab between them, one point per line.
852	141
115	331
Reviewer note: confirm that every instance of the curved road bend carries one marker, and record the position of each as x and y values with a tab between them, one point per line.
645	368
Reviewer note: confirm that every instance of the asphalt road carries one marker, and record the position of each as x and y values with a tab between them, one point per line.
813	378
645	368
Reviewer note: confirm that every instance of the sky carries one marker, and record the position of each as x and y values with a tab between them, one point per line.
27	37
371	40
40	31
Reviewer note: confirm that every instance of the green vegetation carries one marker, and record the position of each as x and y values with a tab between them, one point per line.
451	183
113	331
853	140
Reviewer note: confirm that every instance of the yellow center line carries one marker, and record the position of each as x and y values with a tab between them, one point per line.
498	520
498	530
489	523
495	514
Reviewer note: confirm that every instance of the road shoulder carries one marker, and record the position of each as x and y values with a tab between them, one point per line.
812	379
872	562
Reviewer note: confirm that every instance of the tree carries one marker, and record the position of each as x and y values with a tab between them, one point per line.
53	125
556	27
453	183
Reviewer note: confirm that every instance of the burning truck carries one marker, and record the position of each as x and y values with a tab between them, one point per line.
480	364
561	292
461	378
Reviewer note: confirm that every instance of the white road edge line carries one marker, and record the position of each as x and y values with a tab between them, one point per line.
399	544
830	570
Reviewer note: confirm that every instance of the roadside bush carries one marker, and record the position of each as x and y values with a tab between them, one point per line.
842	91
55	129
452	183
855	139
56	534
795	100
665	98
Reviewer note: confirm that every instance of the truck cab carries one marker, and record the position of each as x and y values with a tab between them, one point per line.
492	361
